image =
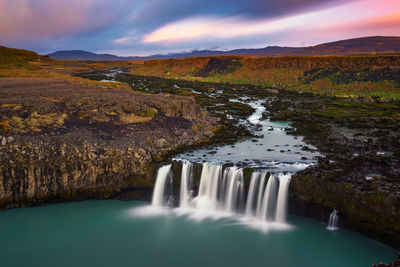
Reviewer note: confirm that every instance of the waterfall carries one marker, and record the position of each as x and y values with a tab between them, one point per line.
220	192
284	180
333	220
268	206
163	177
235	188
260	193
186	184
251	197
223	191
208	190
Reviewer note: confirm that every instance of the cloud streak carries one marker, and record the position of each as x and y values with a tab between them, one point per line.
218	27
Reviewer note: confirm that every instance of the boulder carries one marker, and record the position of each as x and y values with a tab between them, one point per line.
369	178
272	91
142	152
160	143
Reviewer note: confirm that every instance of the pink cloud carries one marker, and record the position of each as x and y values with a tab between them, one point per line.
339	20
36	19
23	19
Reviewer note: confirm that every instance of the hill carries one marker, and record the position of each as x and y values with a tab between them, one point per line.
357	46
17	56
81	55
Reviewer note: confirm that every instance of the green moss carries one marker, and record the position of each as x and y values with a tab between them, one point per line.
157	158
175	107
150	112
17	123
378	197
341	109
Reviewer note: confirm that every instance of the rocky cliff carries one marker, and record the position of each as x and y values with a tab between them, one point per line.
63	140
191	66
359	173
366	75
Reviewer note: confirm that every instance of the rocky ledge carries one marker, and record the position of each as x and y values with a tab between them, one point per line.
63	140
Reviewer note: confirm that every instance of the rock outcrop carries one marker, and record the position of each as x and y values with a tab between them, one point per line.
91	152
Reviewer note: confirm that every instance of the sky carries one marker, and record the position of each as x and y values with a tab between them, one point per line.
137	27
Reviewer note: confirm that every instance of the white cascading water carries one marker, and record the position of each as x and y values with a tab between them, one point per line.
223	191
163	177
251	196
333	220
208	190
234	189
186	184
268	206
260	192
281	205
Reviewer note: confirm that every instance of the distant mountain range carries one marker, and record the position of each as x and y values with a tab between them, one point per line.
357	46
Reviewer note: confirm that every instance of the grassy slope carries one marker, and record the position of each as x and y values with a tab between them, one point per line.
366	75
17	56
18	64
348	76
24	63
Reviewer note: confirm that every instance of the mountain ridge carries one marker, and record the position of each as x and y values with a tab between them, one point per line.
354	46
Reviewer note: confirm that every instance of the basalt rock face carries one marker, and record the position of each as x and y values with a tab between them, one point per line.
369	208
104	144
359	175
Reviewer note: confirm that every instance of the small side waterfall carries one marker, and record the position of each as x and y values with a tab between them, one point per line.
163	178
186	184
223	191
333	220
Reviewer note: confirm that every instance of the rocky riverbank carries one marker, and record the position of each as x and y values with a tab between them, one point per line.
70	141
359	175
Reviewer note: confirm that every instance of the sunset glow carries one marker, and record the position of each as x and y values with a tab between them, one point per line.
131	27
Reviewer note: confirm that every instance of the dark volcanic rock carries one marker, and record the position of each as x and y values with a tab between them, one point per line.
74	141
360	173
